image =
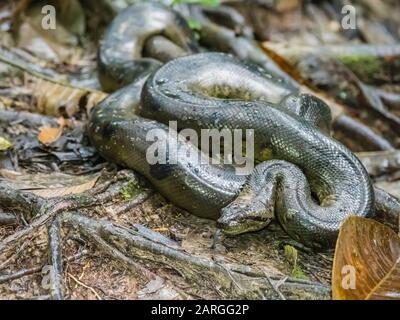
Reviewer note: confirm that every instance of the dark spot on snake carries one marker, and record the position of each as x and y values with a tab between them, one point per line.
161	171
108	130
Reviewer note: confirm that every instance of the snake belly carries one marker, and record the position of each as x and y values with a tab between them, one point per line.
314	184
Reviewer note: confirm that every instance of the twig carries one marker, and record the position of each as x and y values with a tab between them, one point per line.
275	287
19	274
116	254
13	256
85	286
27	272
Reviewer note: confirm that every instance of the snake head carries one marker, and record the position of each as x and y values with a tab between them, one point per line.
243	216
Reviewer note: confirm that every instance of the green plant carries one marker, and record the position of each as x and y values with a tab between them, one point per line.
129	191
209	3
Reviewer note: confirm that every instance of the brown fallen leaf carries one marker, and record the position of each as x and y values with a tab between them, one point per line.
49	135
367	261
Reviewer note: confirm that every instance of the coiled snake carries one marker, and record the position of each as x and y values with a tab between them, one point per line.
312	186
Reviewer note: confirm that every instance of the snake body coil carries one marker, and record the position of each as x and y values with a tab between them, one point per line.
314	184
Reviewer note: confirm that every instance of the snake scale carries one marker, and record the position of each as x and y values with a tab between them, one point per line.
312	184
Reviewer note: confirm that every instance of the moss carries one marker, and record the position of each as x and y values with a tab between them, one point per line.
130	190
298	273
292	255
264	155
208	3
364	66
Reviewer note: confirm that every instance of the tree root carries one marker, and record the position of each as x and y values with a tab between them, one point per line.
134	246
55	247
360	134
7	218
387	209
131	246
235	281
41	210
30	271
380	162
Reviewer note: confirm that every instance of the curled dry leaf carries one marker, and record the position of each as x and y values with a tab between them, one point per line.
367	261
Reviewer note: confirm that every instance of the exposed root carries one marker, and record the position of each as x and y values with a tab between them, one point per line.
360	134
7	218
30	271
41	211
380	162
133	246
57	286
235	281
387	209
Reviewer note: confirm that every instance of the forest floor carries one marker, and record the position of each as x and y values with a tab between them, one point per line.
49	169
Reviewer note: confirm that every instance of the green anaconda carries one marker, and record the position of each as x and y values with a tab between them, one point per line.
312	186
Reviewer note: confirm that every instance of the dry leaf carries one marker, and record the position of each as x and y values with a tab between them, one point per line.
31	39
57	44
59	192
157	289
48	135
55	99
9	174
51	185
367	261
